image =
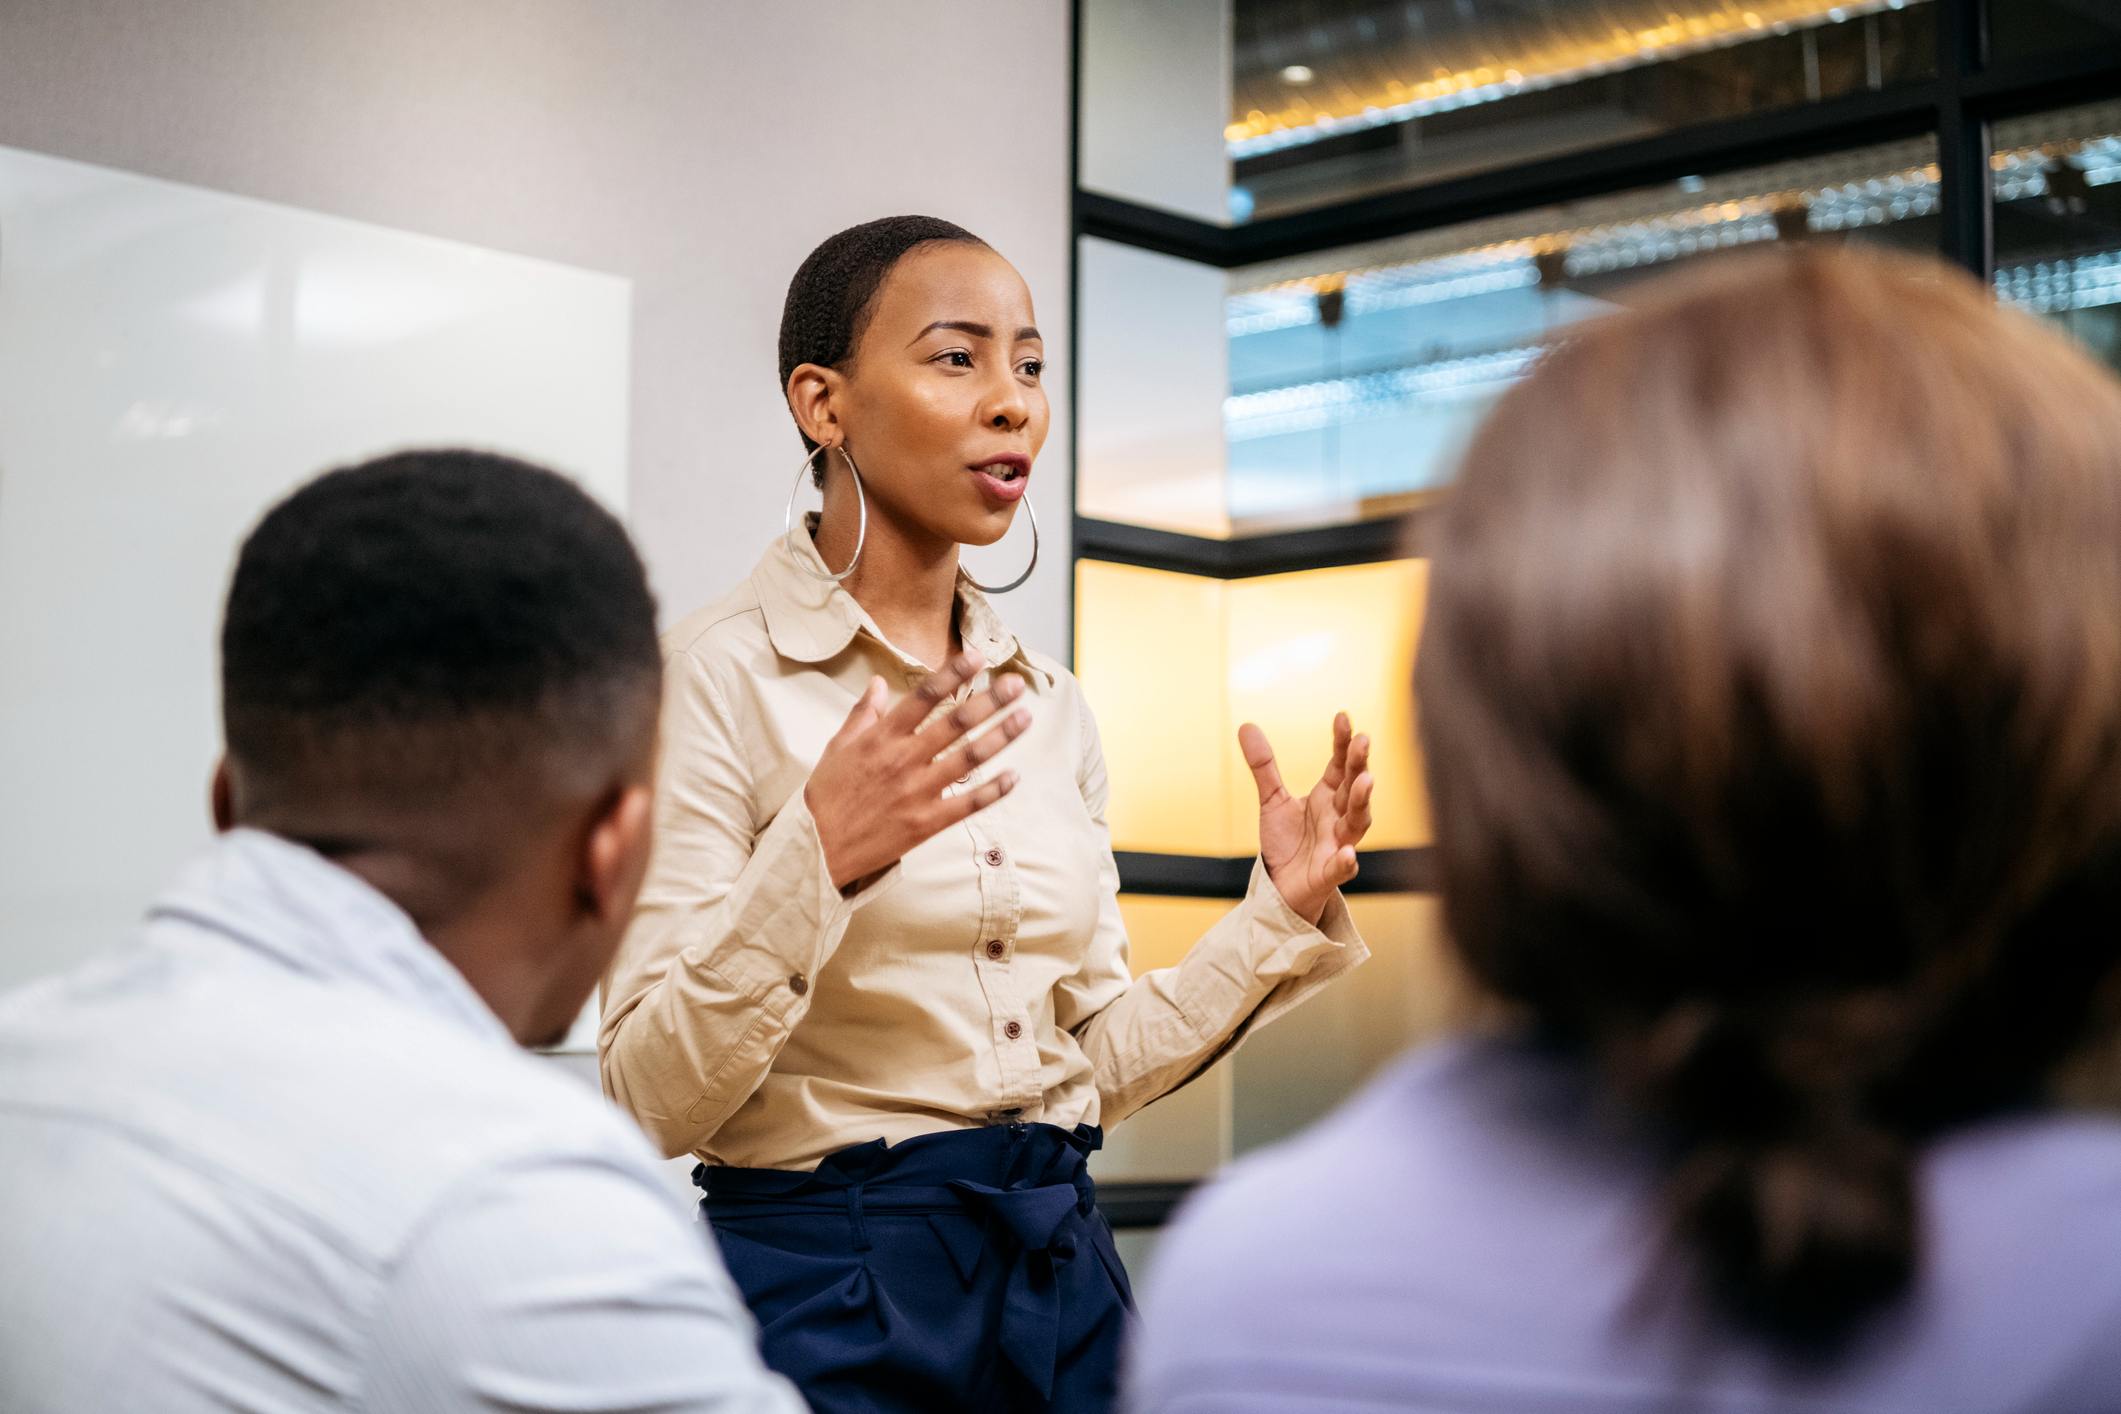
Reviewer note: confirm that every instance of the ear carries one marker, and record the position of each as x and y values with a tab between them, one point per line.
814	392
223	795
615	854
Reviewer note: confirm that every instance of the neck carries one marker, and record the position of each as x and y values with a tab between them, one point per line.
907	579
479	928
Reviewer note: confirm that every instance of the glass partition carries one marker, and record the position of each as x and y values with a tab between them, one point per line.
2058	221
2024	28
1358	375
1235	110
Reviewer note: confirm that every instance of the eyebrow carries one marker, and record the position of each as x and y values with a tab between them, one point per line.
976	330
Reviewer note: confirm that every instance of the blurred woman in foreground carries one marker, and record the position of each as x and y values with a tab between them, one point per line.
1771	700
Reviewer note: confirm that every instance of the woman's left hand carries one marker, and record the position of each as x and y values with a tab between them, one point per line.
1308	843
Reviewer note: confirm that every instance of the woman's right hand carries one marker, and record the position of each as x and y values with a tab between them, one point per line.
877	789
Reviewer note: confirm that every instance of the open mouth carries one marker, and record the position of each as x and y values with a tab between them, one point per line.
1003	478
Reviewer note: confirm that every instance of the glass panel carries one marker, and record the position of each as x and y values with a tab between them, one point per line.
1137	1253
1187	1134
1151	650
2058	221
1232	110
1358	375
1173	663
2020	28
1290	1074
1151	382
1295	1071
1306	645
1153	97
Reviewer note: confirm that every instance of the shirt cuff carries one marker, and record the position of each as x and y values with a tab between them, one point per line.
1287	944
1291	957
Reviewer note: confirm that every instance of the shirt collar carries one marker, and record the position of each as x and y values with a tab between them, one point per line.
306	914
811	620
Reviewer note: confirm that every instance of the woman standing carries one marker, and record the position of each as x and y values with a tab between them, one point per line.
878	978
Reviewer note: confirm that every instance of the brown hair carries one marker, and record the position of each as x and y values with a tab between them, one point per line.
1771	699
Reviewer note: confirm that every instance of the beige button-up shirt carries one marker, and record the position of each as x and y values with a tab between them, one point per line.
758	1018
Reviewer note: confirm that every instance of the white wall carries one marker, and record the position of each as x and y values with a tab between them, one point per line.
698	147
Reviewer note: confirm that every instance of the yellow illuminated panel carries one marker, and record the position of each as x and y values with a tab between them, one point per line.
1185	1135
1305	645
1150	650
1292	1073
1295	1070
1172	664
1160	929
1409	991
1415	989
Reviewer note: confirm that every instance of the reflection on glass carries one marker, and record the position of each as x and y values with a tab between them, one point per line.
1173	663
1357	375
2020	28
2058	221
1235	110
1335	100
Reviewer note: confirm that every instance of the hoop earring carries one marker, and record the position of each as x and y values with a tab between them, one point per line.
861	500
1004	589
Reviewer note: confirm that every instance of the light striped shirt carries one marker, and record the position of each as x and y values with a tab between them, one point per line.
280	1156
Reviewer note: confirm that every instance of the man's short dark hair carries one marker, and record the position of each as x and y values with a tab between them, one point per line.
432	620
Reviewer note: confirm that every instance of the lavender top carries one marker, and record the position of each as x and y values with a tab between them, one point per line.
1477	1231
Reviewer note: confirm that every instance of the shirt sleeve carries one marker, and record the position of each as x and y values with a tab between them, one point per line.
1149	1035
574	1286
732	925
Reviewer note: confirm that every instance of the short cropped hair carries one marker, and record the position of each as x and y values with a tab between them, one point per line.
1771	703
829	299
433	620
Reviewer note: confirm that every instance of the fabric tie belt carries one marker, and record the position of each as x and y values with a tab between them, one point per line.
1028	1185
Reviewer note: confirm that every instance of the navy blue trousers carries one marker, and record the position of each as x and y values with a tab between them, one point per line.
967	1270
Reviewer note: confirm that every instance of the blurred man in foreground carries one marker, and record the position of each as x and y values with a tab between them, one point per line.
286	1153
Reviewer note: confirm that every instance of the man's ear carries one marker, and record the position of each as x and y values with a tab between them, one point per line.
615	854
813	390
222	793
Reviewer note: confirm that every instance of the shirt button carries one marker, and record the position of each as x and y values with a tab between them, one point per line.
994	856
996	948
1013	1030
799	984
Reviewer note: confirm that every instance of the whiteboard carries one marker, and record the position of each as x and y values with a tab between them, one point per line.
172	361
